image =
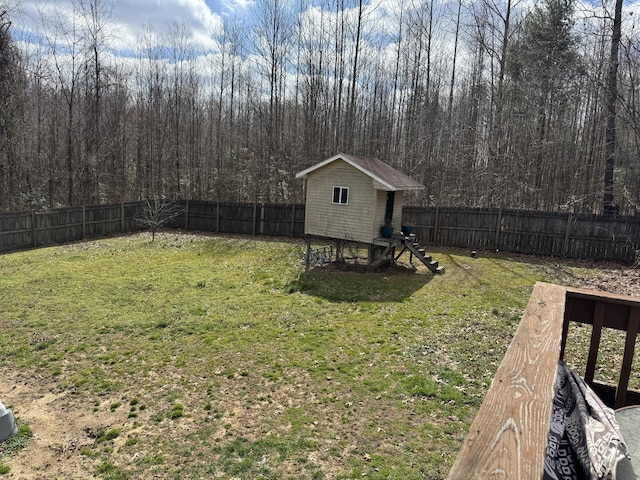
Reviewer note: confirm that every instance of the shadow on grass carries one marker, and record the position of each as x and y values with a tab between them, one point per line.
345	283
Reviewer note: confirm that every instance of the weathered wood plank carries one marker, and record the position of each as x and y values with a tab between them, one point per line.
627	359
594	345
508	436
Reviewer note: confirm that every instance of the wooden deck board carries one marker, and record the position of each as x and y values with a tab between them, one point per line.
512	424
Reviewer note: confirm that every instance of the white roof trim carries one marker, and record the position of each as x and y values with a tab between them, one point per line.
342	156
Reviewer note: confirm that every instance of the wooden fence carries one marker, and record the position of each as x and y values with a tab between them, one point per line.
540	233
34	229
243	218
521	231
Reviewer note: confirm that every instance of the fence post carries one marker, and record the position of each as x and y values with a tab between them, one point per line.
293	219
435	226
255	212
84	223
498	225
122	217
186	216
34	240
217	217
567	236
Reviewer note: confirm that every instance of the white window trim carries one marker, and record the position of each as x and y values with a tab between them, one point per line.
333	189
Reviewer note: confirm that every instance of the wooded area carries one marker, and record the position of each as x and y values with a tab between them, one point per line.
531	232
491	103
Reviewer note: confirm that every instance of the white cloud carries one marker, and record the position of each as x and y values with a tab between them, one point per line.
236	6
128	19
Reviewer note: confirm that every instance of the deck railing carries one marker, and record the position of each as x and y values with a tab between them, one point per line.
508	436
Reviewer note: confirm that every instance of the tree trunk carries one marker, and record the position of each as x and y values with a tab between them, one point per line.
608	204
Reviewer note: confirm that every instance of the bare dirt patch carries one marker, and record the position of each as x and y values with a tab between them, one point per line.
616	279
603	276
61	429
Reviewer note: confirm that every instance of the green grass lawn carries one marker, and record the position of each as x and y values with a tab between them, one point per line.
212	357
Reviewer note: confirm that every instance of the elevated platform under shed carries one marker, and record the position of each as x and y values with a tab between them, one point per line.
381	251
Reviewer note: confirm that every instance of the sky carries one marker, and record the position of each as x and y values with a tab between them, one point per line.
130	18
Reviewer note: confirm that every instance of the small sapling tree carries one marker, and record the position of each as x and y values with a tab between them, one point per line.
157	213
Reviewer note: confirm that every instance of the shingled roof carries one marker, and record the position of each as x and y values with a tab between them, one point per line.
386	175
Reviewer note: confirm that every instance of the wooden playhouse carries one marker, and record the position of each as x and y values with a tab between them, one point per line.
351	198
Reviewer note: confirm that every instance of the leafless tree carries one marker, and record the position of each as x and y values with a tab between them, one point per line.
608	202
159	212
9	98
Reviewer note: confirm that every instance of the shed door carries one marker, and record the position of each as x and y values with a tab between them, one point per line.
388	214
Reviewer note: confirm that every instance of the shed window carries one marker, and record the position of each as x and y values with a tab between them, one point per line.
340	195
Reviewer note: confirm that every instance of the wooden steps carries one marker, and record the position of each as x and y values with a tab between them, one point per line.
417	251
383	250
